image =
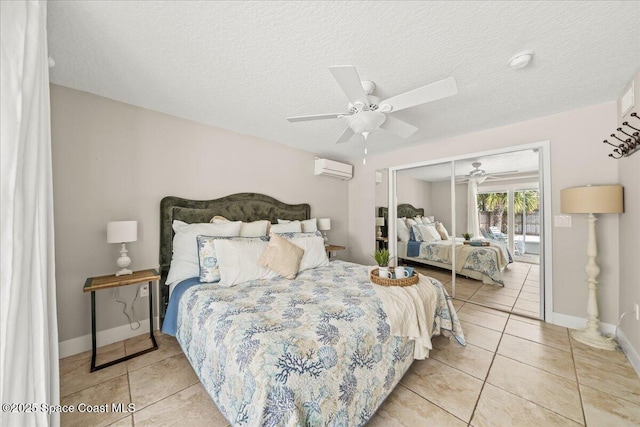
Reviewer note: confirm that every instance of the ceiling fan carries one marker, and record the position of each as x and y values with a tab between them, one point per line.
476	172
366	112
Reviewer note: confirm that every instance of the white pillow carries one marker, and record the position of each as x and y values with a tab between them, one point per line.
290	227
428	233
184	261
238	261
254	229
426	221
308	225
410	222
402	230
315	254
248	229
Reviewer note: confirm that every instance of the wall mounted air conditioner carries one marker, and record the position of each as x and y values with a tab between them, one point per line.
333	169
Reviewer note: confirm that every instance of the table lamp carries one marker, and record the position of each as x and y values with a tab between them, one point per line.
591	200
379	224
122	232
324	224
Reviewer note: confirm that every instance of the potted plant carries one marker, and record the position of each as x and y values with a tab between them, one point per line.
382	258
467	237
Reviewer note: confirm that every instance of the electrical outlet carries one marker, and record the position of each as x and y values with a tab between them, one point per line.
562	220
636	308
144	290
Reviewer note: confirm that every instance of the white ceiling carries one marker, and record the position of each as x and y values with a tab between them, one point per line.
246	66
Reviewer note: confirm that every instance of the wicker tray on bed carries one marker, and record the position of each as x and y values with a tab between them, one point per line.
405	281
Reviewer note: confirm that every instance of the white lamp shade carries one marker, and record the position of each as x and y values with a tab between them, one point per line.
592	199
379	221
122	231
324	224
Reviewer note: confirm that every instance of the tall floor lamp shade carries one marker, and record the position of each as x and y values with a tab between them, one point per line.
590	200
122	232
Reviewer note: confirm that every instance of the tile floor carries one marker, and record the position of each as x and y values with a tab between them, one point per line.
514	371
520	294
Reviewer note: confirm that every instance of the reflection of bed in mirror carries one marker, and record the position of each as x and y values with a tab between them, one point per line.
484	263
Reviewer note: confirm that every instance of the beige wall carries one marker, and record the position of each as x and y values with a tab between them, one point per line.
413	191
578	157
629	175
113	161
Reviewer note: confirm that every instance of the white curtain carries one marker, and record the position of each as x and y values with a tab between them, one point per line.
28	325
473	220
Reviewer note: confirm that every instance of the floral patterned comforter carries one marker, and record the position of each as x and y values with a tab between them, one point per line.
313	351
487	260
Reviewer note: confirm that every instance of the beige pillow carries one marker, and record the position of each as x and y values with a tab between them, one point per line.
442	231
219	220
282	256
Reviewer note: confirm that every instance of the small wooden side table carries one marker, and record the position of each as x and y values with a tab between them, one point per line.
94	284
333	248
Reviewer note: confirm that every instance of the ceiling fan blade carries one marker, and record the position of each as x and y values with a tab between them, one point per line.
424	94
397	126
348	79
315	117
346	135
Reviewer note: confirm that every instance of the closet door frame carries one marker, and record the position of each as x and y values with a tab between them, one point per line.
544	171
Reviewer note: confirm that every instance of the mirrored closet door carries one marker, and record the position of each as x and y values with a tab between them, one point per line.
477	224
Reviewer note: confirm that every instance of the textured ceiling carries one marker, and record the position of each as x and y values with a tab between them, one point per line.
246	66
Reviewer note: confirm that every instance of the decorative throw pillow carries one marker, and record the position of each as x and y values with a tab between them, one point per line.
410	222
428	233
282	257
238	261
402	230
444	234
208	262
184	261
426	220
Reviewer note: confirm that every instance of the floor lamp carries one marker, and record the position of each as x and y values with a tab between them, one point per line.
590	200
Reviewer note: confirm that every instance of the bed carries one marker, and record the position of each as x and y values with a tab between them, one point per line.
484	263
321	349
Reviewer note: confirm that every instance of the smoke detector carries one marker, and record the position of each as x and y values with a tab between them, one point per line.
521	60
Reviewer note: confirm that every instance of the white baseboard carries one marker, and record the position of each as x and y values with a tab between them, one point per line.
607	329
83	343
574	322
632	353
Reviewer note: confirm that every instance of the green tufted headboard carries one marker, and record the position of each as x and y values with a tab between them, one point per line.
404	210
236	207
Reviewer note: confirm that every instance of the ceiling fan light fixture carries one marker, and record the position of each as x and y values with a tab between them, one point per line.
365	122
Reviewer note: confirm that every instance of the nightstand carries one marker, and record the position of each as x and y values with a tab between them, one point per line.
333	248
382	243
94	284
